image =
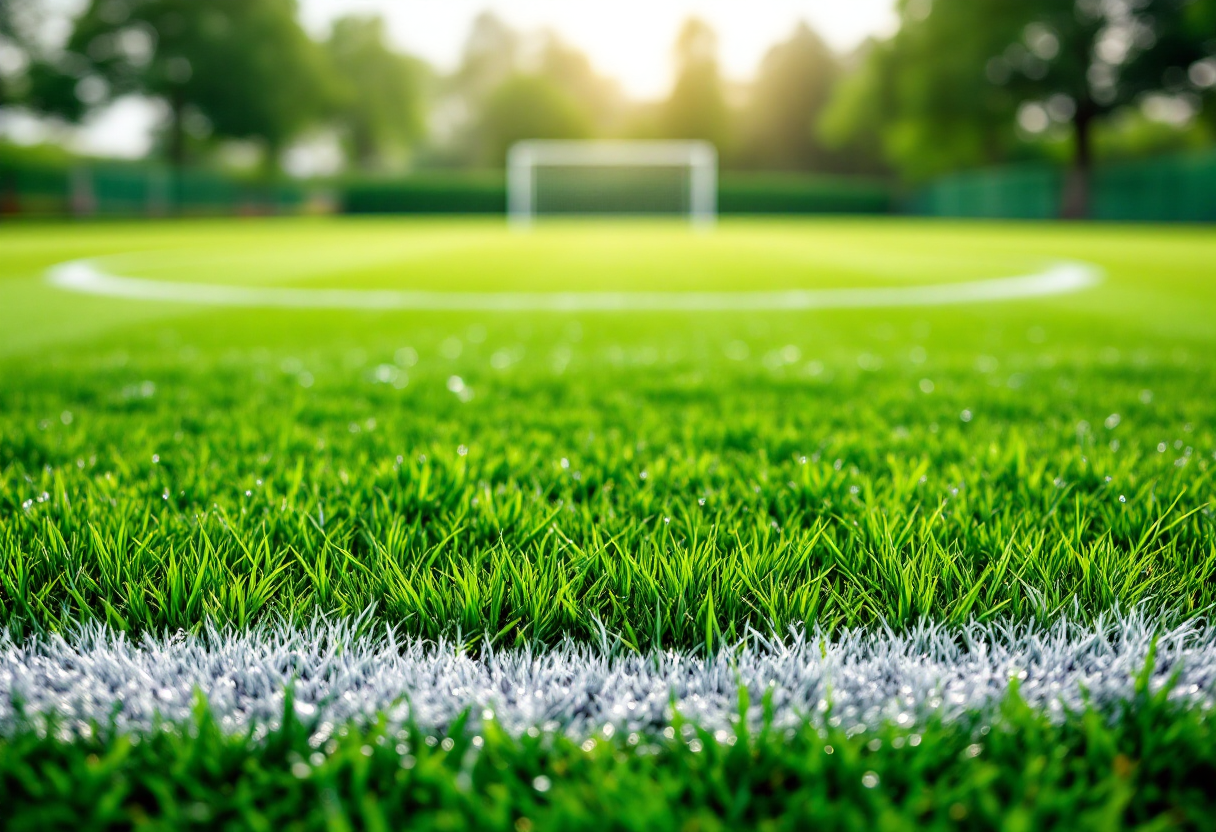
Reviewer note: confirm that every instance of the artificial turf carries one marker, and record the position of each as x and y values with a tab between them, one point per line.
660	480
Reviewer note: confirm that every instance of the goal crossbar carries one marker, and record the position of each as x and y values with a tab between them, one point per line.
699	158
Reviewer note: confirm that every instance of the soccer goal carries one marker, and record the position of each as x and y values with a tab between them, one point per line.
591	178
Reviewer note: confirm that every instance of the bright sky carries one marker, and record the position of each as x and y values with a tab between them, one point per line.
629	40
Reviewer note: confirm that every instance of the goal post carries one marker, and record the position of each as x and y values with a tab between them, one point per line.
622	178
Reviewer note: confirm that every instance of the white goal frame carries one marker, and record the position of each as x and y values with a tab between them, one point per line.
701	159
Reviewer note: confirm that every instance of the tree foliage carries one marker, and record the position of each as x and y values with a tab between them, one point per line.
18	48
969	82
241	69
922	96
962	83
530	107
696	108
380	98
504	92
792	89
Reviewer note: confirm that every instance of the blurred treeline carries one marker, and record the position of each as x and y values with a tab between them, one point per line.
963	83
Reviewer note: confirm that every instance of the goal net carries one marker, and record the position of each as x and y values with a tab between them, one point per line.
641	178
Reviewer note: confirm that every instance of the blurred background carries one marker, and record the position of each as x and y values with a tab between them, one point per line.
991	108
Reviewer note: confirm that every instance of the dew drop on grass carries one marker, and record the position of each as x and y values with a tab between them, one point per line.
541	783
869	779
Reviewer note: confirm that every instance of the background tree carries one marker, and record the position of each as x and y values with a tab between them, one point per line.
506	90
600	98
1075	62
491	55
241	69
530	107
13	54
922	99
967	82
380	98
28	76
1183	62
696	108
792	89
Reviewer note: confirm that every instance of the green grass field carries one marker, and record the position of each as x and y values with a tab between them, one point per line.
659	479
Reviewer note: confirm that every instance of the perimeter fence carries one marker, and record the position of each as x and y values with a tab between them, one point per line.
1179	188
117	189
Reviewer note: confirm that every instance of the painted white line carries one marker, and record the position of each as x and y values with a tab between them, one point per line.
352	670
88	277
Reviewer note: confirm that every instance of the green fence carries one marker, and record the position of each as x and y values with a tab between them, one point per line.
1167	189
109	189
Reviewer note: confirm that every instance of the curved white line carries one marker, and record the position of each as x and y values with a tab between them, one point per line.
87	277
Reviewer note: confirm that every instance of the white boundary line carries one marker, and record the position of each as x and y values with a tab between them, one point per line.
349	669
88	277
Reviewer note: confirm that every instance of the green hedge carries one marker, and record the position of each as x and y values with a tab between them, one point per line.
439	193
486	193
799	194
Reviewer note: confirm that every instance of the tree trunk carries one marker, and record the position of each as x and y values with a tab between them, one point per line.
1075	204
